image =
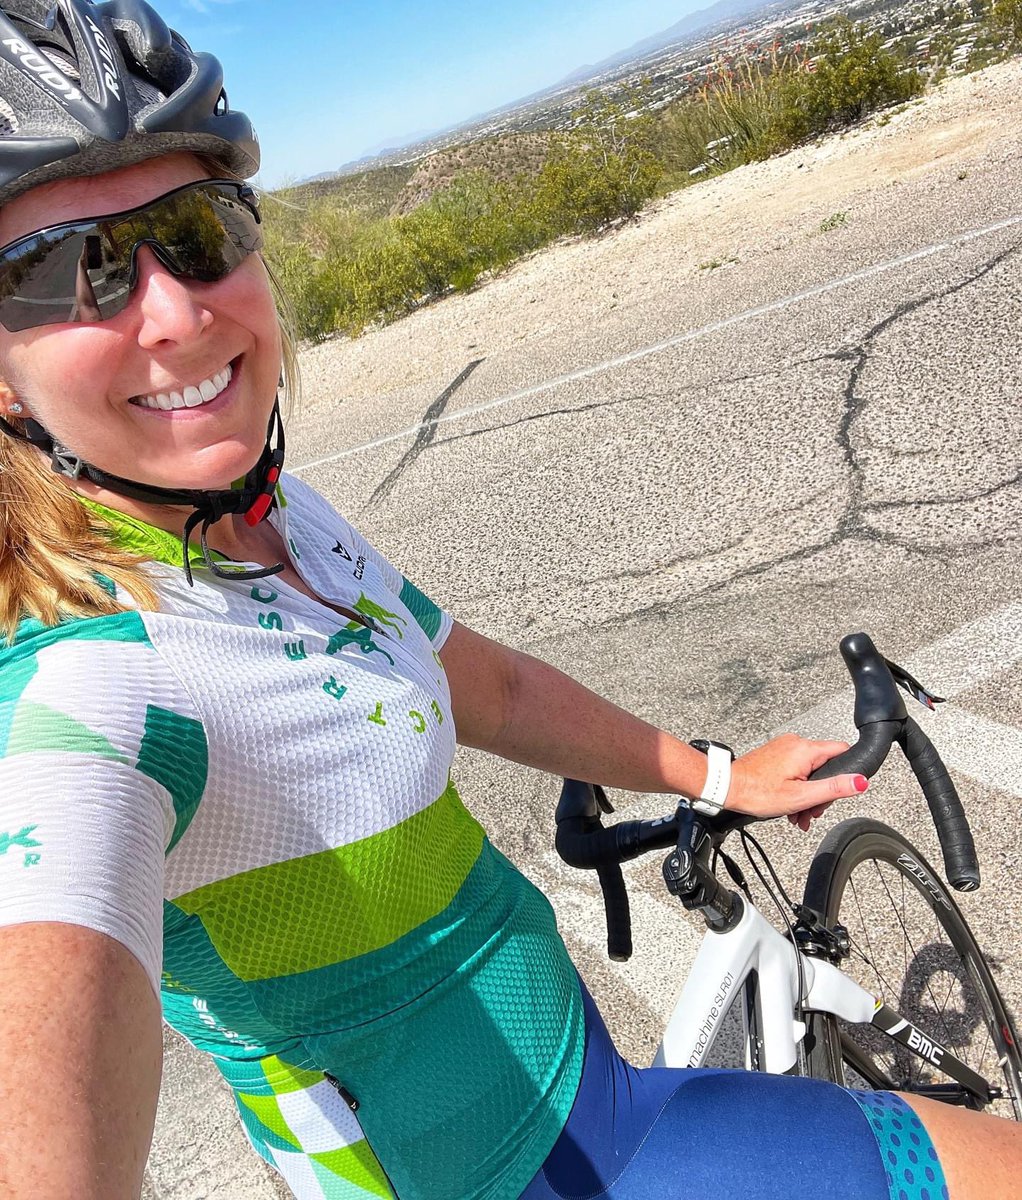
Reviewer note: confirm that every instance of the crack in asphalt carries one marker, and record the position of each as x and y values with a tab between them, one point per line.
679	560
853	523
425	435
770	373
550	412
938	501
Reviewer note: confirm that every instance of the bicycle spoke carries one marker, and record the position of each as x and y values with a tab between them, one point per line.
915	950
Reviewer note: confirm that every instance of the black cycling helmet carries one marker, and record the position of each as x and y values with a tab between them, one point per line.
87	88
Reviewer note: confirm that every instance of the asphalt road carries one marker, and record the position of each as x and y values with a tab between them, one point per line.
686	502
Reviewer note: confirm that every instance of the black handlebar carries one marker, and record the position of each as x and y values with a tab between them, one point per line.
881	718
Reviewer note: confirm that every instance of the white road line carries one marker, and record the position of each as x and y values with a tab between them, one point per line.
622	360
984	750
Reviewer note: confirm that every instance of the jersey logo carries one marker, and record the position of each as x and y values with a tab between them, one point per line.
356	635
376	612
339	549
22	840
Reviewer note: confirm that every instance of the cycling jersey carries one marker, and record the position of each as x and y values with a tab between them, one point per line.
251	792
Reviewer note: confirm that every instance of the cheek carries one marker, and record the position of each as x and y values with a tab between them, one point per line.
50	363
254	305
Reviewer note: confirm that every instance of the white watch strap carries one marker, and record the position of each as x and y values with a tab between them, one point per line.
718	780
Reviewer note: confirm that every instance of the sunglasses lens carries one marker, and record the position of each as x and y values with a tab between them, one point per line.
50	280
84	272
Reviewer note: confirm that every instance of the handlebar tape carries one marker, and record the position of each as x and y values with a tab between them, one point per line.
956	844
866	757
582	842
619	914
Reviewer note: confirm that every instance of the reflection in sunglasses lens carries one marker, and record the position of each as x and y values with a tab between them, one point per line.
84	271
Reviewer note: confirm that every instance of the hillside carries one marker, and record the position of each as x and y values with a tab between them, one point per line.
373	193
503	158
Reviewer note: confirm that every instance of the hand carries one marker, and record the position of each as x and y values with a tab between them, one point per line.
772	780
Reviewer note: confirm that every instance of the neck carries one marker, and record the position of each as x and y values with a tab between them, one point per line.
231	535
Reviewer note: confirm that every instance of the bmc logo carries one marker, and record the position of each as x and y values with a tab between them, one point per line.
923	1045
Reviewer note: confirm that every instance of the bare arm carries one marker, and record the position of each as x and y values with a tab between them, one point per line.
523	709
80	1054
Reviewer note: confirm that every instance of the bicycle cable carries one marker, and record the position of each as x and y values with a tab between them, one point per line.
747	839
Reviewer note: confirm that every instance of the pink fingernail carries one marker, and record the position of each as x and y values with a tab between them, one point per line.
860	782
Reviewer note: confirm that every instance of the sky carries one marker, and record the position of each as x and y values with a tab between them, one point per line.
325	81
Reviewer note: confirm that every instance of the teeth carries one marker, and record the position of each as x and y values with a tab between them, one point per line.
192	396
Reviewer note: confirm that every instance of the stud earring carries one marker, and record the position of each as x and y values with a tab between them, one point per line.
15	409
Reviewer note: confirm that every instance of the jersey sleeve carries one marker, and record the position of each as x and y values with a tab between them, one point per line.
101	765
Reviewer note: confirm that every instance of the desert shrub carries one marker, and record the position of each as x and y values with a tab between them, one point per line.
604	170
852	76
752	109
582	188
1006	18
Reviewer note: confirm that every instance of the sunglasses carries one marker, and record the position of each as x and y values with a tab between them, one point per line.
86	270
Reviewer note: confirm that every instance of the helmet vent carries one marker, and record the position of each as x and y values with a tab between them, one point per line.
146	92
61	63
8	120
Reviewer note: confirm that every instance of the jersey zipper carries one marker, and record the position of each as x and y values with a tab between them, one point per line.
353	1104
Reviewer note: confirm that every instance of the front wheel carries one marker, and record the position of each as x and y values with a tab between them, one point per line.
910	946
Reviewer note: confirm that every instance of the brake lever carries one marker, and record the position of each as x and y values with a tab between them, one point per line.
909	684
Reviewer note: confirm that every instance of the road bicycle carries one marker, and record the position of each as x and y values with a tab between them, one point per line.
877	980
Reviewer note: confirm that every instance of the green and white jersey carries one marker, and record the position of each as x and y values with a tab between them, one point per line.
252	794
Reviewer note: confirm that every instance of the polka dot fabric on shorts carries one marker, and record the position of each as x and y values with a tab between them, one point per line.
913	1169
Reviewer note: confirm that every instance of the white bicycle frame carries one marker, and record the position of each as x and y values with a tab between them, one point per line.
753	949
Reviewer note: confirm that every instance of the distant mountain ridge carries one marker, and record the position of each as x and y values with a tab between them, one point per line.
704	18
723	10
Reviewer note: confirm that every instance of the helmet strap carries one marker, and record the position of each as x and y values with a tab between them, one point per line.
254	498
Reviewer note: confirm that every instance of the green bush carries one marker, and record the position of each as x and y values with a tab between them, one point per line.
1006	17
583	188
853	76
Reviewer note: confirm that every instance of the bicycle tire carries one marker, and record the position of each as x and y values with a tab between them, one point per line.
943	985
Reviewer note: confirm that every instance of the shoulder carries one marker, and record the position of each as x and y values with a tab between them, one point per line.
96	689
307	511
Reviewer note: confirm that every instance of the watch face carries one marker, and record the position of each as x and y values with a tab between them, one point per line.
704	744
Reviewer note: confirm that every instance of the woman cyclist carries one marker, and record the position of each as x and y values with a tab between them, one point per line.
226	726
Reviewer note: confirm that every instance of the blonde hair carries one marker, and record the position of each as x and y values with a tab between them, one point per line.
57	558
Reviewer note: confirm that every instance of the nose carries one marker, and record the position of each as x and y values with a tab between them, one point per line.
168	308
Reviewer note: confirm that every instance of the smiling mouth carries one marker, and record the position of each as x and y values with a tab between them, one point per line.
194	396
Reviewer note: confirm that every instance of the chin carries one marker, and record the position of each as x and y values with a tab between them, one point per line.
218	473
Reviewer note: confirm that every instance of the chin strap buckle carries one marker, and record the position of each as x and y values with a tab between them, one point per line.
65	461
264	501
